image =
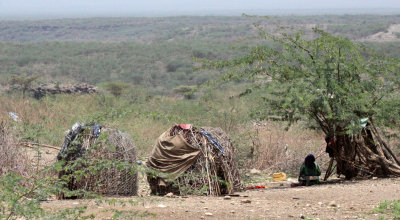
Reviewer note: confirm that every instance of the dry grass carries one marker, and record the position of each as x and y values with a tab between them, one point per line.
49	116
13	158
267	146
274	149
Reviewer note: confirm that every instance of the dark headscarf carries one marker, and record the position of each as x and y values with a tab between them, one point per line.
309	161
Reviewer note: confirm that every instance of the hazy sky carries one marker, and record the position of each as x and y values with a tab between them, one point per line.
177	7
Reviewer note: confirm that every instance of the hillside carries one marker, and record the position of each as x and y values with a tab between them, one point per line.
155	52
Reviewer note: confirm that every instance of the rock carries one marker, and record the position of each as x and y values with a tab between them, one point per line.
227	198
169	195
161	206
302	216
255	171
374	178
320	203
333	204
245	201
202	201
201	217
208	214
54	88
232	211
75	203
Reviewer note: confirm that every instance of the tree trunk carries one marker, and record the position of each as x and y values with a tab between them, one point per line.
364	154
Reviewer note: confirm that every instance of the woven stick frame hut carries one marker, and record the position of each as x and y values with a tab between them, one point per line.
96	161
214	171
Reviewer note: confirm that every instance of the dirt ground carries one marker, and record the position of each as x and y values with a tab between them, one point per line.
342	200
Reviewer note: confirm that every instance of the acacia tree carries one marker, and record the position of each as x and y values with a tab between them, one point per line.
24	82
332	81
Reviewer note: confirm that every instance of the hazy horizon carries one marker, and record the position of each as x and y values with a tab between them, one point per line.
104	8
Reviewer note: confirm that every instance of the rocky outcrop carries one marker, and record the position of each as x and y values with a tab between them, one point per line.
53	88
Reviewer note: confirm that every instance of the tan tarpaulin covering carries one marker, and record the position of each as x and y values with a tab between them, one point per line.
172	154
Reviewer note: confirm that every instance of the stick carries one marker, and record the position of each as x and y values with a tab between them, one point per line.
329	170
385	144
320	154
29	144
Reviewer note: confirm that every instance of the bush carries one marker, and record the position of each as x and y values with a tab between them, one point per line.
116	88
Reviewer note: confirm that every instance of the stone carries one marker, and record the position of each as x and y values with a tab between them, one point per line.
255	171
53	88
374	178
170	195
161	206
208	214
332	203
245	201
227	198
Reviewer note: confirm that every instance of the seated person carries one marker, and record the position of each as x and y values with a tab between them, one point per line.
309	172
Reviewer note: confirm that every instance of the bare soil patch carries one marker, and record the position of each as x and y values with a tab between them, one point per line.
390	35
345	200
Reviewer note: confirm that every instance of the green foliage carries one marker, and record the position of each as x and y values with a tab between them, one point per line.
186	91
14	199
22	197
23	82
116	88
153	52
160	66
328	79
390	209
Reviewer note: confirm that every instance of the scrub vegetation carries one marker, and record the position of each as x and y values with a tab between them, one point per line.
150	76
